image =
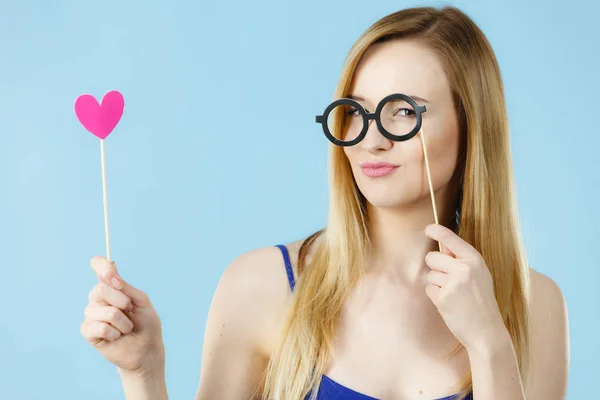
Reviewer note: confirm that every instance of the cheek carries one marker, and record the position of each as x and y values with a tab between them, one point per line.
442	149
350	153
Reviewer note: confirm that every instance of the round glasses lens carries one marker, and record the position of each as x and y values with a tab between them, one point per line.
398	117
345	122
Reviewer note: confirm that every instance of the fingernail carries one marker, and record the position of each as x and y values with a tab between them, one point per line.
117	284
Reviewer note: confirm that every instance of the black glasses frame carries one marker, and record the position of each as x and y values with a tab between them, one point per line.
419	110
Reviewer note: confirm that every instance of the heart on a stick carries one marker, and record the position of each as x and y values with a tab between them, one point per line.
100	119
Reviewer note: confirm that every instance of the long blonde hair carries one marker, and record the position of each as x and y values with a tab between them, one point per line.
488	217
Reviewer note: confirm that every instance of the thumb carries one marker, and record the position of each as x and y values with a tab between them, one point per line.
107	272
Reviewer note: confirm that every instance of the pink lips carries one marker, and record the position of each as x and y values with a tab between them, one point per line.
378	169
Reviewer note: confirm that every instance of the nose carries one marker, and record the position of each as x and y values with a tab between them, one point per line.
374	141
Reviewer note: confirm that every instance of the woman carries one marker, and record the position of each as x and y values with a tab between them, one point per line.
375	310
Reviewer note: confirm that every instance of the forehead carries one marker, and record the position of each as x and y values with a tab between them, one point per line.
399	66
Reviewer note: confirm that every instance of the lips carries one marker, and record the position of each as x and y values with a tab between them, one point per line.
380	164
377	169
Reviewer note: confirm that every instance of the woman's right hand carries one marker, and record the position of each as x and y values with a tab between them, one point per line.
121	323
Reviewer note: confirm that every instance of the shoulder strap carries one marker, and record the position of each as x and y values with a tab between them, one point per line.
288	265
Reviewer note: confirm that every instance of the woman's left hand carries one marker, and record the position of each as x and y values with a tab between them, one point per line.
461	287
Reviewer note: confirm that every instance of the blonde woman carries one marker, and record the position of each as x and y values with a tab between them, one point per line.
382	303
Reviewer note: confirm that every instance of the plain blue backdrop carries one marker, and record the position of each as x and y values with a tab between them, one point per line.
218	153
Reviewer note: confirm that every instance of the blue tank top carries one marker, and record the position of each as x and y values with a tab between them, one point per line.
330	389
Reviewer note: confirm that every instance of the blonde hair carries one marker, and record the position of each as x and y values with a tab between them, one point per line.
488	217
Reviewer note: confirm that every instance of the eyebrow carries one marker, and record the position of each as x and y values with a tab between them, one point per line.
417	98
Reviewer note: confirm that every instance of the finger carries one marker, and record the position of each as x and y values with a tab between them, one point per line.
451	241
110	315
433	292
437	278
138	297
106	272
104	294
442	262
96	331
446	250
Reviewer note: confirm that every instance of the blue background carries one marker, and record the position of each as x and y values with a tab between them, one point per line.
217	154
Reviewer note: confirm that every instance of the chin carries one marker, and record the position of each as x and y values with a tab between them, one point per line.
381	196
387	203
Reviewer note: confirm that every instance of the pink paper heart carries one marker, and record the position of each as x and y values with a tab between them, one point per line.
100	119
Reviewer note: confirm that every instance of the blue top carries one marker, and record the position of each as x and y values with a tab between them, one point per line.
330	389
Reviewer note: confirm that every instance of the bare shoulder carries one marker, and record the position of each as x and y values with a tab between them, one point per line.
257	275
543	286
247	313
549	339
254	290
548	305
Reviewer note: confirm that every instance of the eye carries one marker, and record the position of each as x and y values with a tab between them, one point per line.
405	112
353	112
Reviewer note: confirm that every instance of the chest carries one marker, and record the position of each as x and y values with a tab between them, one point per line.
393	344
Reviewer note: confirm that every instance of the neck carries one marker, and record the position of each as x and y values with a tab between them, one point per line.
399	240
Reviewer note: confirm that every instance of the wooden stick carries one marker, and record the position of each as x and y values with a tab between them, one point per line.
105	201
435	214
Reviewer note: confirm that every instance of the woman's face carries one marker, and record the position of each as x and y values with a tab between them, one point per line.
408	67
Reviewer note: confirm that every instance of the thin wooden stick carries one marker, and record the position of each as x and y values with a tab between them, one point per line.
435	214
105	201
